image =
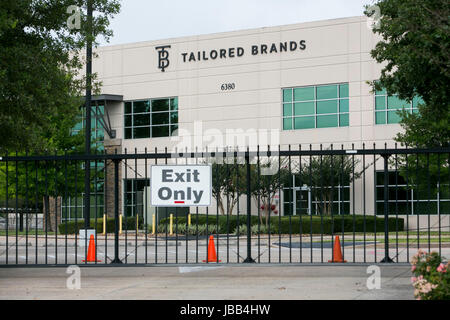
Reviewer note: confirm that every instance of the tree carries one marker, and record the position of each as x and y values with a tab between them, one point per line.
324	174
228	184
40	61
415	50
267	178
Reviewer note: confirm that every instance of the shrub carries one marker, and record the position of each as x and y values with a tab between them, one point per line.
295	224
72	227
192	230
262	229
431	276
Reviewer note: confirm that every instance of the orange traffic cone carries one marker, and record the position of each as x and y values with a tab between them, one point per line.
91	251
337	253
212	257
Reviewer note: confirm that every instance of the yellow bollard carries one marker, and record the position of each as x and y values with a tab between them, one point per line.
171	225
153	224
189	219
120	224
104	224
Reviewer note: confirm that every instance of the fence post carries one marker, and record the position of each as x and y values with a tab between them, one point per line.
249	258
116	213
386	258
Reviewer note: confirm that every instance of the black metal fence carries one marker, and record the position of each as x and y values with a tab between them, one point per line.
269	206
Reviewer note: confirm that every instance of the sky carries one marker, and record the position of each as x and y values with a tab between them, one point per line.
145	20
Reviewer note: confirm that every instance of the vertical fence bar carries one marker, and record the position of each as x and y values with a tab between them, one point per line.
407	204
27	220
116	212
311	209
279	196
136	223
56	209
249	258
331	197
396	203
238	221
364	200
258	183
157	218
106	196
47	212
76	210
375	209
196	217
438	200
66	192
95	203
36	206
417	201
145	207
7	208
269	247
322	205
16	209
165	162
386	258
295	199
342	206
428	201
217	209
124	212
353	202
291	207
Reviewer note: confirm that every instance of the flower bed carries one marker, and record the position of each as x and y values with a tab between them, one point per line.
431	276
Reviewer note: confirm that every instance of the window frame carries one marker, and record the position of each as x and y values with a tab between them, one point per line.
150	113
315	101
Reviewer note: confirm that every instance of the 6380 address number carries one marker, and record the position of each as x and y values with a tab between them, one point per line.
228	86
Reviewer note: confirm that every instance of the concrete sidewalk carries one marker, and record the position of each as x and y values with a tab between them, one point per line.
208	282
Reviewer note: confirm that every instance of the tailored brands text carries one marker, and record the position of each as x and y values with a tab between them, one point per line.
233	52
240	51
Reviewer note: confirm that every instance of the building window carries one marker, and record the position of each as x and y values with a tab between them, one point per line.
72	208
323	106
305	199
151	118
404	198
387	107
133	191
97	131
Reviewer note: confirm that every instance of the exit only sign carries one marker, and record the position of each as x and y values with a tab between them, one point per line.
180	185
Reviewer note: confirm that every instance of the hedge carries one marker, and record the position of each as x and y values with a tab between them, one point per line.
73	228
309	224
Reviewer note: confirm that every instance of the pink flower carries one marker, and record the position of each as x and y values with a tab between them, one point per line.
413	268
413	279
442	268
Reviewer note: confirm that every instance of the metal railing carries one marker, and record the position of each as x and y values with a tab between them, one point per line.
383	204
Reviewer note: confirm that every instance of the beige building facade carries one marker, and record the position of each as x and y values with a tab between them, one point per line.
302	84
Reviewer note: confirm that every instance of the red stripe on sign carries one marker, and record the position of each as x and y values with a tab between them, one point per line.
178	201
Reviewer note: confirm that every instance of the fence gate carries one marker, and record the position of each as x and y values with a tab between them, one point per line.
268	206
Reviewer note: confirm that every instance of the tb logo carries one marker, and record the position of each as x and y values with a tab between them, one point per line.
163	57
